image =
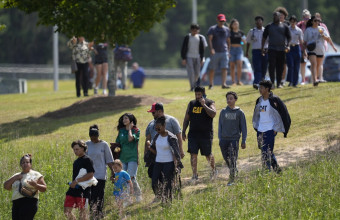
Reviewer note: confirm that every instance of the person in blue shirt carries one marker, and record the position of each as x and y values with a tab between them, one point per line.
137	76
122	182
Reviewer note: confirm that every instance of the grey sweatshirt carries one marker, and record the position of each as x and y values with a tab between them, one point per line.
231	124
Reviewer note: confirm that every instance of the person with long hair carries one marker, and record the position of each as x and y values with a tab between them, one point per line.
315	35
100	61
302	25
165	146
128	138
26	186
237	39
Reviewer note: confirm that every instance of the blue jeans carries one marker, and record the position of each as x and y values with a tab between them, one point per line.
229	151
131	168
266	142
260	65
293	64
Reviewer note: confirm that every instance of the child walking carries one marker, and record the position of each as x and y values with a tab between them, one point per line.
122	182
231	124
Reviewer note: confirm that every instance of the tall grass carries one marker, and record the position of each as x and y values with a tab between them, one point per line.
304	191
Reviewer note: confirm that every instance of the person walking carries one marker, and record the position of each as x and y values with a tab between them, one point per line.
128	138
279	39
237	39
294	54
81	55
218	41
302	25
101	155
199	117
76	196
25	186
171	124
192	53
259	59
314	38
165	147
231	124
270	117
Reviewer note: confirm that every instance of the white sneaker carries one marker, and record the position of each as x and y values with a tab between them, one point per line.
302	83
104	92
95	91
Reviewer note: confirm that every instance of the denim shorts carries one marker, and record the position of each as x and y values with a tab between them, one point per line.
236	53
131	168
219	61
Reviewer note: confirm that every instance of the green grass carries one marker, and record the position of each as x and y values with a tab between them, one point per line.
308	190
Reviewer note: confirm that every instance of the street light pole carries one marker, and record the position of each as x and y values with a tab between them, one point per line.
55	58
194	11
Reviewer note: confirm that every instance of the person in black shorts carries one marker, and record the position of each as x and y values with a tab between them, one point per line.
199	117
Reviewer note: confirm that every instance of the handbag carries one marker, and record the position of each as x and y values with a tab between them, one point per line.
74	67
26	192
311	46
115	149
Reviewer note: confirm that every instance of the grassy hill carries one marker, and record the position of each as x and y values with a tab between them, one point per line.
305	190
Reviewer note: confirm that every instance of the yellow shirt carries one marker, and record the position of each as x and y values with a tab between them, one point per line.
31	175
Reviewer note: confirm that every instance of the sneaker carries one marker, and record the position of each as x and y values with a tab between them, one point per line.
95	91
316	84
302	83
194	178
322	81
282	83
104	92
210	86
225	86
280	86
138	199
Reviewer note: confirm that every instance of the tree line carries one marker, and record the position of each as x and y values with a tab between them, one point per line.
22	41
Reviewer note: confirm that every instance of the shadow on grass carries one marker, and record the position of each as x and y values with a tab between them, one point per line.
84	110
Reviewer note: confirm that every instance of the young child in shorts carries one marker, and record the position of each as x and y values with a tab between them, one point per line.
122	183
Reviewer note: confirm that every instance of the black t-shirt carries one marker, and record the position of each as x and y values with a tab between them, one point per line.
86	163
201	124
235	37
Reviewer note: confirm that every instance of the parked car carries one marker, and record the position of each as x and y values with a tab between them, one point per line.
247	76
331	67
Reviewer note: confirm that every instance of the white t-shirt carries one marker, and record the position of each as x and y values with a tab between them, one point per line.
31	175
314	35
164	153
266	121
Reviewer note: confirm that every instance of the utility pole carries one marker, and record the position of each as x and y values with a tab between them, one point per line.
194	11
55	58
304	4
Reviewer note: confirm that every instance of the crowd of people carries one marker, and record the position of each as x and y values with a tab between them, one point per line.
282	44
164	137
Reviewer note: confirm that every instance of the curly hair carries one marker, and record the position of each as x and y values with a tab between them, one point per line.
282	10
231	93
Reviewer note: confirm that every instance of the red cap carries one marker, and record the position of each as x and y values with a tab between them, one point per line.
221	17
156	106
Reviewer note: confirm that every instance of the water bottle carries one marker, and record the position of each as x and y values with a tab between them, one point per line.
77	186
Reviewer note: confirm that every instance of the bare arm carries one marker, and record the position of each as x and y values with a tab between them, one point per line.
39	185
180	144
211	111
147	142
8	184
81	179
212	51
185	123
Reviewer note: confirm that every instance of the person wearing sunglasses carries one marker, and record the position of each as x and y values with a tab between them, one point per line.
165	147
314	38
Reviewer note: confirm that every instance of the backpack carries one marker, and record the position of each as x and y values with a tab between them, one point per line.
123	53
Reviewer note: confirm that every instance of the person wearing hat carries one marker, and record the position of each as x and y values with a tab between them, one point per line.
218	41
172	125
199	118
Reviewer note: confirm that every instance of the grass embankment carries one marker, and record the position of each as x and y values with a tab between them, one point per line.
307	190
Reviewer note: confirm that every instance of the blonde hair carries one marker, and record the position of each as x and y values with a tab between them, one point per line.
118	162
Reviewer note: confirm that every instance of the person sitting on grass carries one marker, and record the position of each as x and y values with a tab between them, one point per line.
231	124
121	181
270	117
76	196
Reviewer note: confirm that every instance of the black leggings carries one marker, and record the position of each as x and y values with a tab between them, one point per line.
24	208
82	75
97	199
166	170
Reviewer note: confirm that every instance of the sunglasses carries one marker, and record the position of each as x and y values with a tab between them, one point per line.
158	129
317	20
